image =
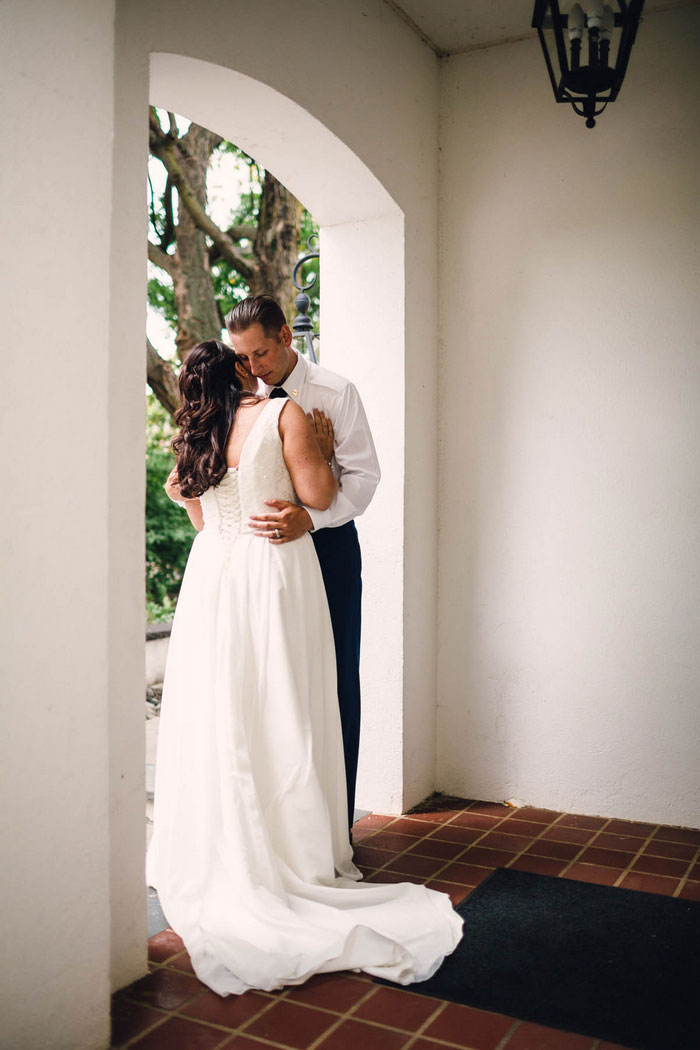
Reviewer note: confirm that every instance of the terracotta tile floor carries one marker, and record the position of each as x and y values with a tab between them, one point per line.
452	846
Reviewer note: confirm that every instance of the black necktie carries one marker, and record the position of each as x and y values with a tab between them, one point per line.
278	391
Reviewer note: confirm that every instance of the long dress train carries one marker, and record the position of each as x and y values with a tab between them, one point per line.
250	853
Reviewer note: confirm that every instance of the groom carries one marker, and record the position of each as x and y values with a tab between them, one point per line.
262	340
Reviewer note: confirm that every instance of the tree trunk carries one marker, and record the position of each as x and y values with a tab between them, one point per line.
267	267
276	244
197	310
161	379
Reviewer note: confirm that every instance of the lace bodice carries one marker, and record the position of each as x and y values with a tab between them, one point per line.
261	474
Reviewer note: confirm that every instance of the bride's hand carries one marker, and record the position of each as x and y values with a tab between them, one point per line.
171	486
323	429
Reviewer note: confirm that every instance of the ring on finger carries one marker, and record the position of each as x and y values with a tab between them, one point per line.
278	534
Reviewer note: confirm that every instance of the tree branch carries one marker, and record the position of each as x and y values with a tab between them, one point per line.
165	149
161	379
236	233
161	259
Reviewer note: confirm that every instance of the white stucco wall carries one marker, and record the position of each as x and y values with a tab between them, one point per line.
570	427
56	67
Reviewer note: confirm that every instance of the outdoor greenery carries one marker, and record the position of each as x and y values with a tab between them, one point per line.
169	534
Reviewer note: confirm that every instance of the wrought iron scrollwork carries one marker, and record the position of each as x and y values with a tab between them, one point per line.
302	324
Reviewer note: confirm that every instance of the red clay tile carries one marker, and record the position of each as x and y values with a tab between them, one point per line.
492	858
177	1033
577	820
387	840
242	1042
427	1044
438	816
554	849
388	876
455	833
539	816
515	826
181	962
372	858
230	1011
358	1035
538	865
409	826
128	1019
165	988
560	833
630	827
606	858
679	850
293	1025
434	847
529	1036
331	991
467	819
492	809
678	835
411	864
466	874
362	834
691	891
635	880
163	945
468	1027
694	873
500	840
660	866
593	873
456	893
373	821
398	1009
628	843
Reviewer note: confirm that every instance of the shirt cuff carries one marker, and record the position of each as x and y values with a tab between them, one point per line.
316	517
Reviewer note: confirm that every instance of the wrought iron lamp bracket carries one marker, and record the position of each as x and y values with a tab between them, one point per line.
302	324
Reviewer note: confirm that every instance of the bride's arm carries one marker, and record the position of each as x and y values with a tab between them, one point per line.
313	479
192	506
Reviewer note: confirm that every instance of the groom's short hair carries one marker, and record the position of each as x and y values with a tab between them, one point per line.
256	309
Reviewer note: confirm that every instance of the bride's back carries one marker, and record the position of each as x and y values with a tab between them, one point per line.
257	472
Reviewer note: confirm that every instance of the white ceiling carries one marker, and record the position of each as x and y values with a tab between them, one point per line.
461	25
452	26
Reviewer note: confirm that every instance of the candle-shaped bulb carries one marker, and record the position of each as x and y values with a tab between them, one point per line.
608	22
576	22
595	11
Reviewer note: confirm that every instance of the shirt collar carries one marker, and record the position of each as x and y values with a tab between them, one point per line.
295	380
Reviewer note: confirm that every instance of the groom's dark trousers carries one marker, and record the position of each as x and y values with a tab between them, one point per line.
338	552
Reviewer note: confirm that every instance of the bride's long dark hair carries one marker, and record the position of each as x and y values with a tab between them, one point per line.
211	393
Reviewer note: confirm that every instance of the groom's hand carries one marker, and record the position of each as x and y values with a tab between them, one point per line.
288	522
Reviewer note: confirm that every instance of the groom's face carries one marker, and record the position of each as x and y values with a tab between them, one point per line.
267	357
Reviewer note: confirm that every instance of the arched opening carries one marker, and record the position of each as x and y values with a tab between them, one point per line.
361	317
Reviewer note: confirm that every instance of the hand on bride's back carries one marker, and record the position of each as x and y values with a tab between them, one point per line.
323	429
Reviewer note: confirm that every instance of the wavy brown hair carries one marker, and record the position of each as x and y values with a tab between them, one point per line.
211	393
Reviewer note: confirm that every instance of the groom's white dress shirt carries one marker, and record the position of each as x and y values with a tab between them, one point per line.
355	462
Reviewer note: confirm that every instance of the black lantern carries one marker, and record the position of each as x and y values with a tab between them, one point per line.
590	70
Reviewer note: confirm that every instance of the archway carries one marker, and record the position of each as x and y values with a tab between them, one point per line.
362	309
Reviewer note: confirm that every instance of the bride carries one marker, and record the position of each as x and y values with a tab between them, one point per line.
250	852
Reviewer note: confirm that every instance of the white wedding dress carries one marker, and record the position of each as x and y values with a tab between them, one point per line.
250	853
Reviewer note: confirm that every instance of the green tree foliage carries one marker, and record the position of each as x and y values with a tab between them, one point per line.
169	534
